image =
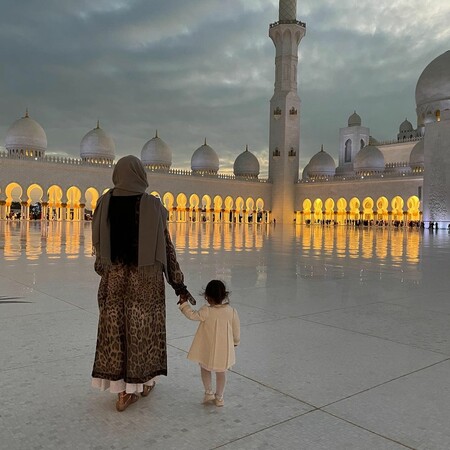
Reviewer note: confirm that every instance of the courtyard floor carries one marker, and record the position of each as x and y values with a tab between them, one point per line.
345	342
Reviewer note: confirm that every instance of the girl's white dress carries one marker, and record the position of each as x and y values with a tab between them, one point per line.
217	335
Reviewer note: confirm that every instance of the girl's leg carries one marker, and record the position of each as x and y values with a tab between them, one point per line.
221	380
206	379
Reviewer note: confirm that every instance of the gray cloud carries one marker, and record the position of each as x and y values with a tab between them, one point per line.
205	68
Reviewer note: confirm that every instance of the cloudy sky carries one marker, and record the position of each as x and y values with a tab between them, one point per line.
205	68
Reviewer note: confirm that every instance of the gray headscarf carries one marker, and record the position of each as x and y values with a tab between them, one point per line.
130	178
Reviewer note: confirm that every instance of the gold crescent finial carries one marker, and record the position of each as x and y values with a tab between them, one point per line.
26	113
205	142
156	135
98	123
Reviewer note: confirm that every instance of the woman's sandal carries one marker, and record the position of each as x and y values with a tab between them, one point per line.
147	389
125	400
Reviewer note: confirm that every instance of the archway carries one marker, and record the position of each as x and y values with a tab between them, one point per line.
194	210
34	204
368	210
73	206
354	212
329	210
181	207
229	212
13	205
250	208
239	210
318	210
206	208
382	211
168	202
397	204
54	195
307	204
413	214
341	211
261	215
217	217
91	196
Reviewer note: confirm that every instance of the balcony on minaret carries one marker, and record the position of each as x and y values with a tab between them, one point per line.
276	153
277	113
292	153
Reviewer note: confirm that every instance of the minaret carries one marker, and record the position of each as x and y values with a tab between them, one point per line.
284	139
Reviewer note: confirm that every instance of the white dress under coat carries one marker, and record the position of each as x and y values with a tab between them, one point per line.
217	335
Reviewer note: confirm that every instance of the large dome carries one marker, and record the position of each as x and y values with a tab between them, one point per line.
97	147
321	165
26	137
434	83
156	154
433	89
416	158
354	120
246	165
369	160
205	160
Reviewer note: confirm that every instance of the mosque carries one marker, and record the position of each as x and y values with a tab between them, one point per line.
401	181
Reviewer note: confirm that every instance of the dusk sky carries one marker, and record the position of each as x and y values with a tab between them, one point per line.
205	68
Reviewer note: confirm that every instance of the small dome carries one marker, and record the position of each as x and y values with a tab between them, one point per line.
321	165
406	126
369	159
26	135
434	82
416	158
205	160
246	165
354	120
156	154
97	147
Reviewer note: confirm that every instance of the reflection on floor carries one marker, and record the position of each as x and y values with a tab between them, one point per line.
345	341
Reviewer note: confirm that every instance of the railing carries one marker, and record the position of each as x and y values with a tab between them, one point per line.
342	178
397	141
288	22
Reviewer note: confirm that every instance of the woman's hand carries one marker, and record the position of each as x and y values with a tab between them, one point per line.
183	299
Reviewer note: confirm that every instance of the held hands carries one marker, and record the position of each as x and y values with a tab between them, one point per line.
183	299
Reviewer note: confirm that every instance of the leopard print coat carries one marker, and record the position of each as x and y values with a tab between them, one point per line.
131	338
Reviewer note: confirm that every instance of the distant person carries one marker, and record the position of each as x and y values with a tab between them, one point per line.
217	335
133	250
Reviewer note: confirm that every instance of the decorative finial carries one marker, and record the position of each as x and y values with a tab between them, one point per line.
98	124
205	142
156	135
321	149
26	114
246	147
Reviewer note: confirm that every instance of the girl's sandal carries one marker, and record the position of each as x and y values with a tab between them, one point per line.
147	389
125	400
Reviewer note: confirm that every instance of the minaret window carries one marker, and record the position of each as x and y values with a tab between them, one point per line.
348	151
362	144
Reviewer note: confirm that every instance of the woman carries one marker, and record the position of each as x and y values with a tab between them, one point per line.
133	249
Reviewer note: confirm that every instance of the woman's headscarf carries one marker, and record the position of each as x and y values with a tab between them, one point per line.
129	178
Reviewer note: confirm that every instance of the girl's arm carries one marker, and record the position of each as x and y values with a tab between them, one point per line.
236	328
191	314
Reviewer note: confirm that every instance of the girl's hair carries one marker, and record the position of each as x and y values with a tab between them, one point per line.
216	292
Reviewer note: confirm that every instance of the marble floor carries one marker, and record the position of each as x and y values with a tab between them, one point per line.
345	342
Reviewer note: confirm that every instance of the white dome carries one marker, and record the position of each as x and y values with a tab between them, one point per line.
246	165
354	120
205	160
97	146
26	134
416	158
406	126
434	82
321	165
370	159
156	153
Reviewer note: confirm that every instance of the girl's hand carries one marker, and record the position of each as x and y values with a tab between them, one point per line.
183	299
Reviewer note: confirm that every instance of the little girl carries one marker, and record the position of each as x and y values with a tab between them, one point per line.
217	335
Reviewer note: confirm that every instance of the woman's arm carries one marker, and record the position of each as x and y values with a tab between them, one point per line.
175	276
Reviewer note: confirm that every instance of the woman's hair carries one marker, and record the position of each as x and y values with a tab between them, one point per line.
216	292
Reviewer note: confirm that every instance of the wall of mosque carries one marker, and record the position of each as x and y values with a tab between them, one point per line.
65	189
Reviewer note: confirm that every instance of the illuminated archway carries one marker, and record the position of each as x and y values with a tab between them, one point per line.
307	204
73	209
413	205
155	194
229	212
194	209
13	208
368	209
354	205
250	209
217	216
329	210
397	204
341	206
261	215
181	207
168	202
239	209
318	210
382	210
91	195
34	202
54	195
